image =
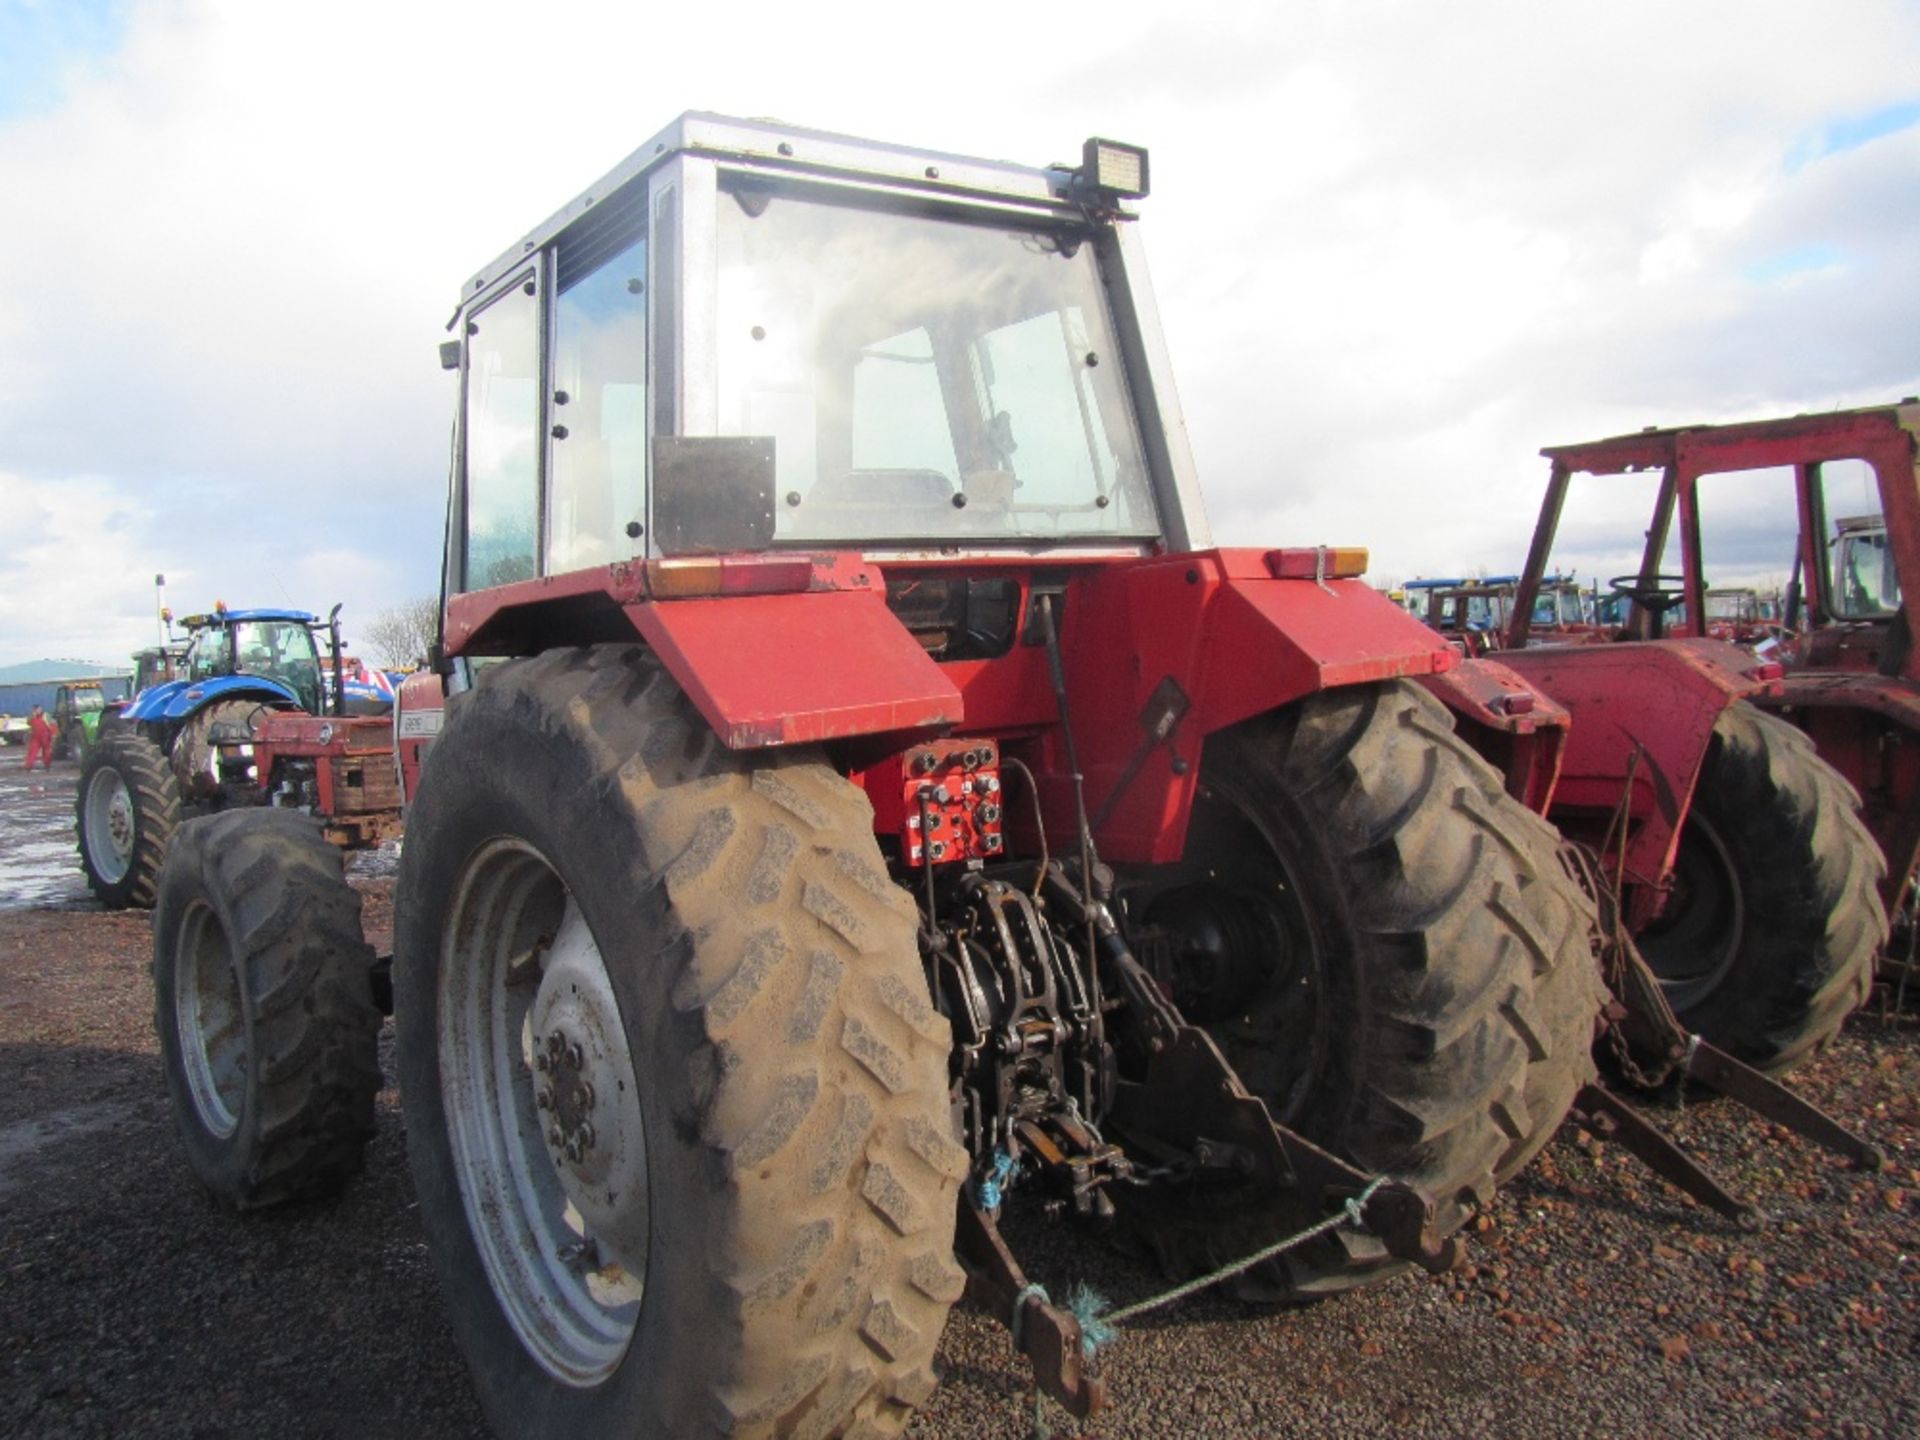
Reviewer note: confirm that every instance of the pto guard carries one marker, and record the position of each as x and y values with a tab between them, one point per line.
818	665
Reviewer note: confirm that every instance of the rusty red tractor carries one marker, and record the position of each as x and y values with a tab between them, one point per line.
1845	671
864	791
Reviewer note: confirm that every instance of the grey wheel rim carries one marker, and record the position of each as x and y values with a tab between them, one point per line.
209	1017
543	1114
110	825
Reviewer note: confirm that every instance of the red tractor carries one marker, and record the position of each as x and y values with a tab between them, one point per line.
864	790
1742	864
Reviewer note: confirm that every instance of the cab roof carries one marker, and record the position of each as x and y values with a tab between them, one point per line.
775	147
229	617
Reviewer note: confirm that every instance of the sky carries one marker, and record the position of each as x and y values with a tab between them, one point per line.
1397	248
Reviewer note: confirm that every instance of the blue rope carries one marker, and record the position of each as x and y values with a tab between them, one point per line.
1099	1326
991	1187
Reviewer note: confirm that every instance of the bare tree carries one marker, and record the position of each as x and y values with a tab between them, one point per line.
400	634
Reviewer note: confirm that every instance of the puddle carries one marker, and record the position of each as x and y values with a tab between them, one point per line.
39	868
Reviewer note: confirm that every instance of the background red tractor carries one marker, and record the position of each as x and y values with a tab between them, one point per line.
1738	857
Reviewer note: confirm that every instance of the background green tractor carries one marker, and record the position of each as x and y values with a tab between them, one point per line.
77	708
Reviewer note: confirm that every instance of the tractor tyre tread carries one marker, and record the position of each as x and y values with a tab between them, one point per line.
1814	924
1457	1074
156	802
292	924
817	1094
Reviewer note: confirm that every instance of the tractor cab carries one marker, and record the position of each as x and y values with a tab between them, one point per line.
268	653
1865	582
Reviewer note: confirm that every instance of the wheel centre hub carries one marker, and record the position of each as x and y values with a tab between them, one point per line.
586	1101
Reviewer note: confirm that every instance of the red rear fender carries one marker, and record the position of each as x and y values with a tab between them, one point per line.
1236	643
794	669
1642	707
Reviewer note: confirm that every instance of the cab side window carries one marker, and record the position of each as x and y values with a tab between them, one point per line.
597	484
502	439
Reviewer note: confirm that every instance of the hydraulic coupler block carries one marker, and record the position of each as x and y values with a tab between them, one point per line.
950	802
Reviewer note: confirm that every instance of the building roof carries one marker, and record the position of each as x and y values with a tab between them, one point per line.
29	672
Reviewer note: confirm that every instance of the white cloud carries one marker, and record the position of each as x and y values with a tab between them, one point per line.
1398	248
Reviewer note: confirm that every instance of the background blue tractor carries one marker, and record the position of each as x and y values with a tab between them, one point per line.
161	760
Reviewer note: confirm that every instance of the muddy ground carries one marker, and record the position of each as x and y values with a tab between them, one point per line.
1593	1301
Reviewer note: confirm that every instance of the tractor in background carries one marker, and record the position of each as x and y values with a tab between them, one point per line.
228	729
1740	860
77	709
1846	672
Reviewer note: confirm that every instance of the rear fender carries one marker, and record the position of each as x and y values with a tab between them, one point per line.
1229	641
185	698
1645	708
825	662
796	669
1510	724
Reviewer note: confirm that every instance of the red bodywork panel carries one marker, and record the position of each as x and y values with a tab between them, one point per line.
419	708
794	669
833	664
1648	709
356	785
1515	728
1868	728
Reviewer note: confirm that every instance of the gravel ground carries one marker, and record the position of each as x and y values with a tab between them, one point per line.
1594	1301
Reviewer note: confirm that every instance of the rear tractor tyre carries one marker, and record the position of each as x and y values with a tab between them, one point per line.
267	1026
1366	911
1770	938
126	810
676	1100
196	749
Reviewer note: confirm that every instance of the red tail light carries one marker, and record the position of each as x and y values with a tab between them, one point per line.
702	575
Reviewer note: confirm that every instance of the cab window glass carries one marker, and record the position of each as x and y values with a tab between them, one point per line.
503	465
209	656
597	484
1749	535
281	650
1862	583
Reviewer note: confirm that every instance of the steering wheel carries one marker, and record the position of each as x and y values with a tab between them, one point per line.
1662	594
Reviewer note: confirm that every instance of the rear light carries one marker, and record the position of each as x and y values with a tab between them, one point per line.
1321	562
707	575
1519	702
1767	672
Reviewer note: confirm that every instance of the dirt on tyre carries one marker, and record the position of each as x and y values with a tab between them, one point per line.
1770	938
263	1008
126	809
195	752
676	1099
1372	969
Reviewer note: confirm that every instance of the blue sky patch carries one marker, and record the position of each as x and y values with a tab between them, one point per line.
1852	132
41	41
1800	260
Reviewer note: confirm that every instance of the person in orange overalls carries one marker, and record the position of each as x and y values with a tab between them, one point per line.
39	739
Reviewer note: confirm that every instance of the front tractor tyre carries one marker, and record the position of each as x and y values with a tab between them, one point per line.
1770	937
126	810
265	1016
676	1099
1364	919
